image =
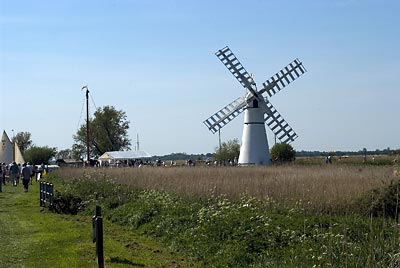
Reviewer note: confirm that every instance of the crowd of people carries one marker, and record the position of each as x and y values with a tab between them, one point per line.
13	173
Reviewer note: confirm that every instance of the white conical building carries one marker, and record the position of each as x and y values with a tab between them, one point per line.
254	149
9	152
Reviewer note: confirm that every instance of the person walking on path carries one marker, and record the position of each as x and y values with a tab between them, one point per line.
3	172
30	166
1	177
14	173
26	176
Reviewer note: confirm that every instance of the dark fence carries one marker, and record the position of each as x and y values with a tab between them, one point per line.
46	193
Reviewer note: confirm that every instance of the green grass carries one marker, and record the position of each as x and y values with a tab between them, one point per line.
248	232
31	237
212	230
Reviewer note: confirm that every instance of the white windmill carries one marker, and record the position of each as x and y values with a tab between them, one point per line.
258	110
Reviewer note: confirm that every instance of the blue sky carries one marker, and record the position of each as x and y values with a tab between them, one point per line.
155	61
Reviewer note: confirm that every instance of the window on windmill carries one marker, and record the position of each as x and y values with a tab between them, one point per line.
255	103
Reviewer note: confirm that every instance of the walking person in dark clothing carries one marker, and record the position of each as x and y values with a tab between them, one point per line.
30	166
3	172
1	177
14	173
26	176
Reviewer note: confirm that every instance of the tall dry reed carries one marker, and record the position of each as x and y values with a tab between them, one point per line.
321	188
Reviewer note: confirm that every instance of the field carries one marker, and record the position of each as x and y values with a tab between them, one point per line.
322	188
309	214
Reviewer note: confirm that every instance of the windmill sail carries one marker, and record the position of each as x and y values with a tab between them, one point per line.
278	125
229	59
283	78
225	115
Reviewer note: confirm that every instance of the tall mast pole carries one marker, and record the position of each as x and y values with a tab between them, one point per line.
219	139
87	125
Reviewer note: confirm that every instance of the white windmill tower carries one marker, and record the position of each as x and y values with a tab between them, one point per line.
258	110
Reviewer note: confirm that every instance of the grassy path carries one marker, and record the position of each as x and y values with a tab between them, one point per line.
33	237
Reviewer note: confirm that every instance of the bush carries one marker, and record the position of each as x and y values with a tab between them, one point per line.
229	151
67	204
383	201
282	152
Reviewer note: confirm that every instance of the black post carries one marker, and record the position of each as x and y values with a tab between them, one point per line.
41	193
51	194
47	193
97	224
94	230
98	209
99	242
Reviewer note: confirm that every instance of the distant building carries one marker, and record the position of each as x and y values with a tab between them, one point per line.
111	158
69	163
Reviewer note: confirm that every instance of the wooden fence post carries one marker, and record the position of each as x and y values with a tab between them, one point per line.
41	193
97	224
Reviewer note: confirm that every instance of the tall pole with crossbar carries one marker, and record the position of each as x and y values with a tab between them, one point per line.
87	125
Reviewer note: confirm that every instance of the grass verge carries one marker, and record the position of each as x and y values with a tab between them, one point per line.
33	237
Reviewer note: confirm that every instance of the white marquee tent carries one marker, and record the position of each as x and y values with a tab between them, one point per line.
9	152
114	156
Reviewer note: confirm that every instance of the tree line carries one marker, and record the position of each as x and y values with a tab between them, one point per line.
109	132
364	151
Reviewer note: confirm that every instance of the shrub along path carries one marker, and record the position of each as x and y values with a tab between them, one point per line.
31	237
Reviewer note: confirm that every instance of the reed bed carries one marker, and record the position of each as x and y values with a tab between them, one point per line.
309	216
327	188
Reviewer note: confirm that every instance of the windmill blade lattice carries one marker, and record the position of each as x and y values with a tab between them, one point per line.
225	115
229	59
278	125
283	78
